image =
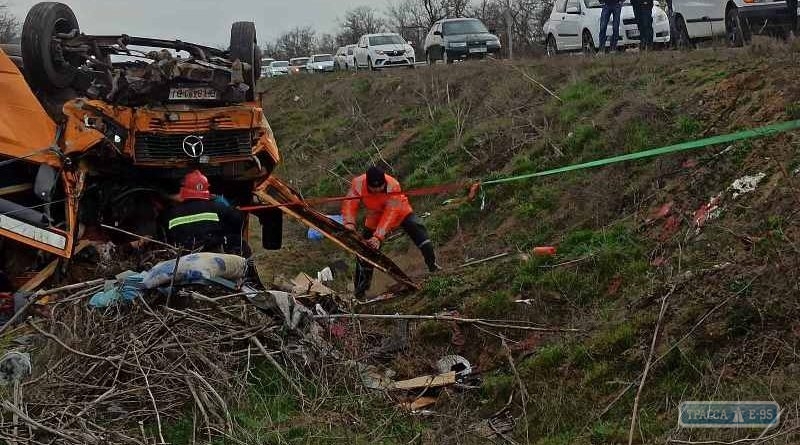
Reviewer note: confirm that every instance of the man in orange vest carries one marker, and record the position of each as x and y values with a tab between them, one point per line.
387	209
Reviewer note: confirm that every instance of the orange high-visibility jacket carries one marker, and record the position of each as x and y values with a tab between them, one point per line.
385	212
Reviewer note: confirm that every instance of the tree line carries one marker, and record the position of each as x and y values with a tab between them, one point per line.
9	25
412	19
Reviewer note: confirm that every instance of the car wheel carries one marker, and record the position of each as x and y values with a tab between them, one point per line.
738	29
682	40
551	48
43	68
587	43
244	47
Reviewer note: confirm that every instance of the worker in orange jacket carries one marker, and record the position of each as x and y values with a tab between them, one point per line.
387	209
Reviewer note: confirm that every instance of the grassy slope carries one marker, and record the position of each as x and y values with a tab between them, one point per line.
483	120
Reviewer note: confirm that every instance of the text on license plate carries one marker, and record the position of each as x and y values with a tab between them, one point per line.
477	50
193	94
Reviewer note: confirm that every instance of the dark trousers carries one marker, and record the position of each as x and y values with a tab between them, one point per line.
610	9
792	6
643	12
417	232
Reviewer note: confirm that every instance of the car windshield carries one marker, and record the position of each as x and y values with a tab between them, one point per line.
597	4
323	58
298	62
386	40
279	64
464	27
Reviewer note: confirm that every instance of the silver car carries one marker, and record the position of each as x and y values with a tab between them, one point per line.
278	68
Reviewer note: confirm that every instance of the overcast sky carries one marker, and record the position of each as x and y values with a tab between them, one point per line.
201	21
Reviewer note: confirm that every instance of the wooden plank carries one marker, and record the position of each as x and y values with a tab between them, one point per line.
427	381
419	403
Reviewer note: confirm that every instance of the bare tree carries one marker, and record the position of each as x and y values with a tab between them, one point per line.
326	43
9	25
298	42
357	22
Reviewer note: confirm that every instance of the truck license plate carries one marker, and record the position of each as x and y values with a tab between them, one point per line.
193	94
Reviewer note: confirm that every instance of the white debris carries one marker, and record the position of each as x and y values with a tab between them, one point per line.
746	184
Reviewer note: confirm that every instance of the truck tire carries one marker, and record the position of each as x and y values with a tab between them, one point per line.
244	47
271	221
44	68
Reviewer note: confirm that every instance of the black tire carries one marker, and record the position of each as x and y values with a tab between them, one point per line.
551	47
738	30
587	43
271	221
43	68
244	47
682	40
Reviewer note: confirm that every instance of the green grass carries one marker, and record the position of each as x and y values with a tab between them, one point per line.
580	99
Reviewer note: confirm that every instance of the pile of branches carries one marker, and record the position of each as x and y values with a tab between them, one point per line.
99	377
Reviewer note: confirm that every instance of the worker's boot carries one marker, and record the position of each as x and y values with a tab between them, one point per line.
430	256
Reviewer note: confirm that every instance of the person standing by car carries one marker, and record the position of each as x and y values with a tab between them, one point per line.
643	12
792	6
610	7
387	209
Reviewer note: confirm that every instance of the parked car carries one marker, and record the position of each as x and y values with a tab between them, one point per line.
320	63
736	20
453	39
278	68
574	25
297	65
377	51
265	66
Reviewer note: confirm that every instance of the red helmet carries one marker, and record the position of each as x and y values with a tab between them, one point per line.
195	186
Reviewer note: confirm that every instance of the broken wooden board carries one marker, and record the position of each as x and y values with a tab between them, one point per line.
419	403
303	284
275	192
427	381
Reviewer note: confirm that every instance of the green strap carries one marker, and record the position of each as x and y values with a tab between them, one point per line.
768	130
191	219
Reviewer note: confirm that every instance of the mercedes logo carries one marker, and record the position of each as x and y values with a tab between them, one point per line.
193	146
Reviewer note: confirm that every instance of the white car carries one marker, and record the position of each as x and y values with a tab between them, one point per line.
278	68
736	20
320	63
377	51
575	25
265	66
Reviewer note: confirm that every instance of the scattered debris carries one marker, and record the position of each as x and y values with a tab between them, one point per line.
659	213
419	403
382	297
324	275
305	285
455	363
544	251
746	184
707	212
14	366
426	381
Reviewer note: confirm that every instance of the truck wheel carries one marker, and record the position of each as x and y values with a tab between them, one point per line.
45	66
271	228
738	29
244	47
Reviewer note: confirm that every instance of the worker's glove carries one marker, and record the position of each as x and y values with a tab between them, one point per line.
350	226
374	242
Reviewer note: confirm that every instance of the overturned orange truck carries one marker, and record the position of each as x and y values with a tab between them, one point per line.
98	130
